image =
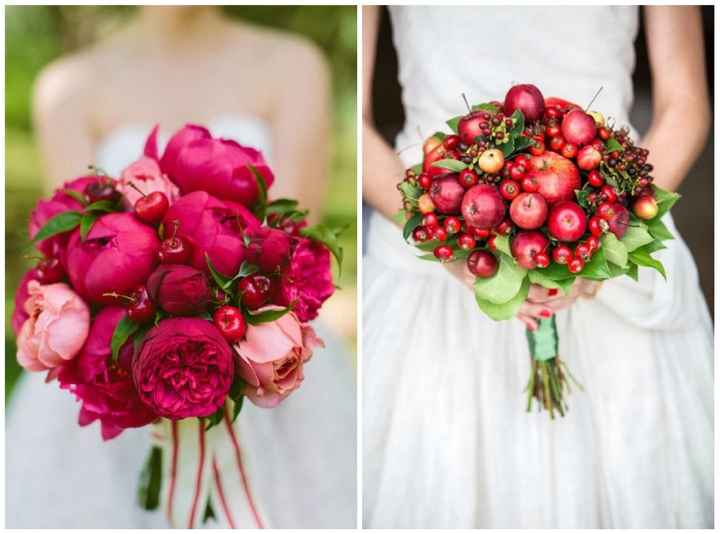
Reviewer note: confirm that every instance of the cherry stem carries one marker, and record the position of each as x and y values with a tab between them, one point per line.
593	98
466	102
136	188
176	224
34	257
116	295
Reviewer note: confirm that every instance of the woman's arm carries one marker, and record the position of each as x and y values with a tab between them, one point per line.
679	91
382	168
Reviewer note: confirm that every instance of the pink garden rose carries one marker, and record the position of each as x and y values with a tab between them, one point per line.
307	281
145	174
211	226
19	315
271	358
105	389
179	289
196	161
268	248
56	327
60	202
184	368
117	255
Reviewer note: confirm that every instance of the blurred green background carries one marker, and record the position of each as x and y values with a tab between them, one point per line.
36	35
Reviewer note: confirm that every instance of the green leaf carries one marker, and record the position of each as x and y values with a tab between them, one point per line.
450	164
658	230
124	329
504	285
221	280
236	394
59	224
613	145
417	169
507	310
614	250
409	190
209	512
101	205
508	148
214	418
636	236
428	257
411	224
538	276
502	243
150	480
642	257
632	271
596	268
266	316
86	224
439	135
453	123
328	237
261	205
76	195
519	126
654	246
246	269
665	200
282	206
485	106
522	143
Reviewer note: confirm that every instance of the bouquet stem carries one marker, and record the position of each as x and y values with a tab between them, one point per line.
548	382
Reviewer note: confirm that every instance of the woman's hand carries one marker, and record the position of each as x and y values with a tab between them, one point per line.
541	302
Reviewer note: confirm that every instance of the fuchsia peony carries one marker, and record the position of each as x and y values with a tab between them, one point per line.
268	248
56	327
211	226
184	368
145	174
179	289
117	255
105	389
307	281
271	358
196	161
60	202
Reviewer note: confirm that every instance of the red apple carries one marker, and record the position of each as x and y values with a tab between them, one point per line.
431	143
438	153
529	210
618	219
578	127
557	177
527	98
553	101
567	221
471	126
588	158
482	264
645	207
526	246
447	194
483	207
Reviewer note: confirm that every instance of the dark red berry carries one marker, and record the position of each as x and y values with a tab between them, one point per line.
562	254
425	181
582	250
49	271
451	141
509	189
452	225
430	221
443	253
596	226
466	242
254	291
518	170
174	250
101	190
542	260
595	179
576	265
420	234
608	192
141	309
440	234
231	323
467	178
482	264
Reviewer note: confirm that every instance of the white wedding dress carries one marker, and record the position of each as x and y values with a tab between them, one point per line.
299	459
447	441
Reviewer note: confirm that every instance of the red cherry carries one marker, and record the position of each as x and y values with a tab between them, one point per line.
603	133
466	242
231	323
443	253
556	143
174	250
479	233
582	250
593	242
152	208
49	271
596	226
576	265
542	260
569	150
101	190
142	309
504	228
430	221
530	185
608	192
451	141
467	178
452	225
595	179
482	264
254	291
537	148
605	211
420	234
518	170
425	181
562	254
440	234
491	243
509	189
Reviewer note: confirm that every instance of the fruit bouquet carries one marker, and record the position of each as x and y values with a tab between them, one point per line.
168	295
535	190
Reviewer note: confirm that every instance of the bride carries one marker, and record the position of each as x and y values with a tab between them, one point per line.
447	442
170	66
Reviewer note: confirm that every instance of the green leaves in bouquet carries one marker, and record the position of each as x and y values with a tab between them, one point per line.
642	257
636	236
410	191
59	224
261	204
124	329
597	268
504	285
76	195
453	123
539	277
150	480
213	419
411	224
266	316
615	251
102	206
328	237
502	243
485	106
612	145
223	282
658	230
86	224
236	394
417	168
519	120
506	310
665	200
450	164
286	208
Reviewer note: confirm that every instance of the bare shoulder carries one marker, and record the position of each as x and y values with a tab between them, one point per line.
65	82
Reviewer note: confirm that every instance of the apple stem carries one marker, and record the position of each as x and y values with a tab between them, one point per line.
593	98
466	102
136	188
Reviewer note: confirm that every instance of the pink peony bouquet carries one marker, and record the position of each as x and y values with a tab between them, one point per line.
173	292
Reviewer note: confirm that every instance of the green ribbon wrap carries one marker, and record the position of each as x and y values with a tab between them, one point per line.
543	342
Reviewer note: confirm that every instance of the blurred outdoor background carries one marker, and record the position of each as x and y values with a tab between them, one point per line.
693	214
36	35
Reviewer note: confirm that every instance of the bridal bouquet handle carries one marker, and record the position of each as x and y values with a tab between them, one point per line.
535	190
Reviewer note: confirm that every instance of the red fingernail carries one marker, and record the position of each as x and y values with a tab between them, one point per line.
552	292
546	313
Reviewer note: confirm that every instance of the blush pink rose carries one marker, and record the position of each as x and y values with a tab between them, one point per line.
145	174
56	328
105	388
196	161
19	315
184	368
307	281
118	254
213	227
271	358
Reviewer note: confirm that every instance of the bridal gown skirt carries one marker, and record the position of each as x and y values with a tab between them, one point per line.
448	443
299	458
